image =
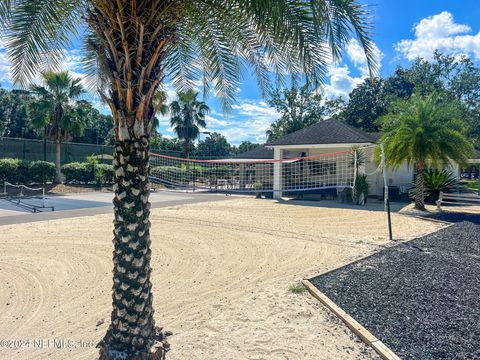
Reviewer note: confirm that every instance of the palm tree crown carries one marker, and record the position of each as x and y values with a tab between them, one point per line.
423	132
54	109
187	117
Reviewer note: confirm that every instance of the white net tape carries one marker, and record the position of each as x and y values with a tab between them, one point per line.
324	171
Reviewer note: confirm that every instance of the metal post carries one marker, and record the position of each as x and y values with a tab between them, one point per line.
389	221
354	195
385	193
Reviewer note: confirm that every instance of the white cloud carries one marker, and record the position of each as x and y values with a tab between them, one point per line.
341	82
440	32
4	67
357	56
249	120
214	122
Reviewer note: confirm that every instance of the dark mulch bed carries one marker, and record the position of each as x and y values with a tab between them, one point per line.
421	298
455	217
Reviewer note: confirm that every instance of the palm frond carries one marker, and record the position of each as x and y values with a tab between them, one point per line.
298	38
95	64
37	31
5	13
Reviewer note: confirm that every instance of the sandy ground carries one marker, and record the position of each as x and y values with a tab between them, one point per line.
221	276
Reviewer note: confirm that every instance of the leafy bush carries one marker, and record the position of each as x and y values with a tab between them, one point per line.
14	171
41	172
77	172
436	181
88	172
106	172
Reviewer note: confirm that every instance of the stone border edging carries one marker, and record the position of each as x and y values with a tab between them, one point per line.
366	336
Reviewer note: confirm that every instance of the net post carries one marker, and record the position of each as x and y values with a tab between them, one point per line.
43	196
385	192
277	174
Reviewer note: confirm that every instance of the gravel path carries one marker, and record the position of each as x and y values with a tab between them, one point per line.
455	217
420	298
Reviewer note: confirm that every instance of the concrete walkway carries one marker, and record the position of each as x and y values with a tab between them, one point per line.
93	203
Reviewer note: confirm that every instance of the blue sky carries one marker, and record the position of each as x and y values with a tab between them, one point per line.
403	30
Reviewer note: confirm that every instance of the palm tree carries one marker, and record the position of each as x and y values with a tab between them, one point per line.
132	47
424	131
188	116
53	109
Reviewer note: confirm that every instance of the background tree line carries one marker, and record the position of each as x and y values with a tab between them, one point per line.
19	118
454	80
17	114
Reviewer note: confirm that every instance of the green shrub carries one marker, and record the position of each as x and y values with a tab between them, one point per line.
96	174
88	172
14	171
78	173
106	173
41	172
436	181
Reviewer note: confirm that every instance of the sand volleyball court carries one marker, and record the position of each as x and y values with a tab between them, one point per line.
222	273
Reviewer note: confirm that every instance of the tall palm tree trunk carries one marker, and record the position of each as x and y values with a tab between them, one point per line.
132	329
58	163
420	187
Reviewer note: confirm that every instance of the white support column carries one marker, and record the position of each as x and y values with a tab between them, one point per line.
277	174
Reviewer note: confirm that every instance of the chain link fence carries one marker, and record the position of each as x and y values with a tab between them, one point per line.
32	149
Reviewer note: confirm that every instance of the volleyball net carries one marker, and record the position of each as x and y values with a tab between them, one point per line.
296	174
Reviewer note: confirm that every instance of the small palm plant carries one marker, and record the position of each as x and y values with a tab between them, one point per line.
435	182
54	109
423	131
360	189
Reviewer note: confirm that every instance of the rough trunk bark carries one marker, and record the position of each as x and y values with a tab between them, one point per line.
132	332
58	165
135	43
420	187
